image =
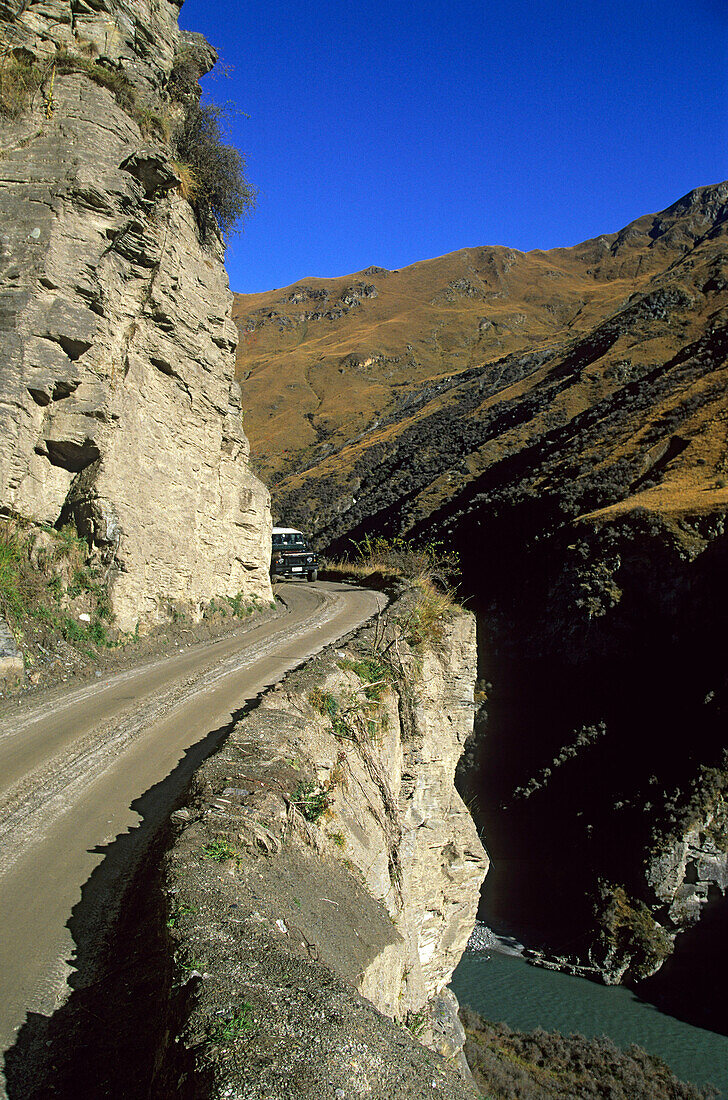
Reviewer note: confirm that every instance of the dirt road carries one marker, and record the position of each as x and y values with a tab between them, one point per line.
107	760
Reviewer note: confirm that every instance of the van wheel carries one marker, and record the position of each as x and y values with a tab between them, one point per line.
313	575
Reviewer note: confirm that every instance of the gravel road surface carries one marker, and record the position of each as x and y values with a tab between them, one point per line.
90	764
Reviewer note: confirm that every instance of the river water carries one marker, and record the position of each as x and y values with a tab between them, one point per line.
500	985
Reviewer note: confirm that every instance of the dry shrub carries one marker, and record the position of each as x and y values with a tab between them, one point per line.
430	570
223	196
400	558
19	81
189	183
157	123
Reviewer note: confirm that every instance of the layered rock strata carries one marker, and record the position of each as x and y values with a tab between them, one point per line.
119	411
325	865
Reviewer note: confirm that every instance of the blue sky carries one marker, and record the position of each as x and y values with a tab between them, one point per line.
385	133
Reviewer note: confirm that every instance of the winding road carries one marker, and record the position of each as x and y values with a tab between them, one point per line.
109	759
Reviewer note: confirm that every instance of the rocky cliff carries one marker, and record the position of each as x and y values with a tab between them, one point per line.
119	410
604	661
325	864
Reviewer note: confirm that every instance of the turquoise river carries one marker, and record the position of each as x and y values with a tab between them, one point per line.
505	988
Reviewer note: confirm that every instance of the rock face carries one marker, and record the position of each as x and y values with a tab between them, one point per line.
690	870
118	406
325	852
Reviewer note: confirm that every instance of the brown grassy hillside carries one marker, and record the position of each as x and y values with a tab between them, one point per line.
434	374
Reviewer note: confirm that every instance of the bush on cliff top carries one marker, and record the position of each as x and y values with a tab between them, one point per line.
214	180
630	932
222	190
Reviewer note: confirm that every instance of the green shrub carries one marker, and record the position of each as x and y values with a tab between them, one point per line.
220	851
223	194
629	929
98	634
542	1065
12	594
41	571
240	605
71	630
311	800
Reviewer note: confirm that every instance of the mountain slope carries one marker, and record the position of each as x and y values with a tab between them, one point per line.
433	374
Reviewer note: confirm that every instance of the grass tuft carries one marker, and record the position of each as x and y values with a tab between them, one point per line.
220	851
373	671
19	81
189	182
425	622
323	701
240	1023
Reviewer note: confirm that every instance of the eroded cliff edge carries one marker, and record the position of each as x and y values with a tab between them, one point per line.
326	868
119	411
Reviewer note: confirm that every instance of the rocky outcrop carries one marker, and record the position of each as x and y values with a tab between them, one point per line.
119	411
691	870
325	865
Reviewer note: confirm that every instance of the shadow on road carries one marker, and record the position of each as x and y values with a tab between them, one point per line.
108	1037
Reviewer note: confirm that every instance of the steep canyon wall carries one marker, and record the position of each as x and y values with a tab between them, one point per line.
119	411
559	419
601	771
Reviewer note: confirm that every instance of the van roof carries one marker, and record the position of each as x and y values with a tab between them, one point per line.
286	531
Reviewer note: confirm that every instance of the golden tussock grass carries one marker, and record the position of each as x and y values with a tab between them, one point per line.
189	183
19	81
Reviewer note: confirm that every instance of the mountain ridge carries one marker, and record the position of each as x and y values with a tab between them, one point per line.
323	385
